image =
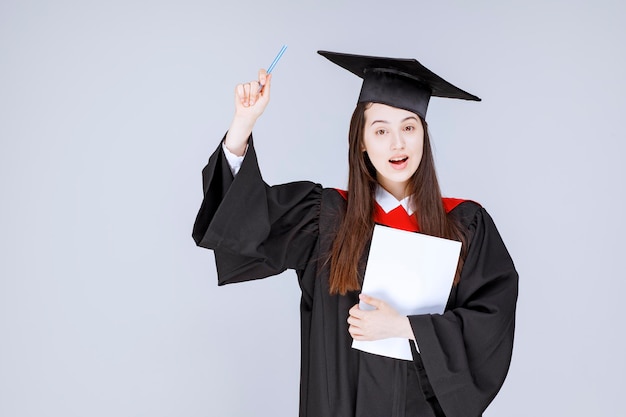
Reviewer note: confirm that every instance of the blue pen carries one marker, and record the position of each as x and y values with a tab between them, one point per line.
273	64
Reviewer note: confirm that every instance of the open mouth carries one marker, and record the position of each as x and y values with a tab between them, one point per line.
398	161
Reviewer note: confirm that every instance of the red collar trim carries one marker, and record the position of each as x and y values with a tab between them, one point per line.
398	217
449	204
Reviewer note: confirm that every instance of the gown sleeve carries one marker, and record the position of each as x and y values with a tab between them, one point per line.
466	351
255	230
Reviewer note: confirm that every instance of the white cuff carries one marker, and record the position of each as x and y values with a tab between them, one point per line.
234	161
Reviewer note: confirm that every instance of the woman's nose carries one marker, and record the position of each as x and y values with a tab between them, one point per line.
397	141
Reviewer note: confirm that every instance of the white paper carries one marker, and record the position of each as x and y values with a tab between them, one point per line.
413	273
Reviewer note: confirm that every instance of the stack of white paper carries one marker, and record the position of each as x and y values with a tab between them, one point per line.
413	273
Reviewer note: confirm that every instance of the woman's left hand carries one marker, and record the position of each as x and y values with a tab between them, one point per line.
381	323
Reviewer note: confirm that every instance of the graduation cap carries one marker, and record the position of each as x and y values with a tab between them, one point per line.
402	83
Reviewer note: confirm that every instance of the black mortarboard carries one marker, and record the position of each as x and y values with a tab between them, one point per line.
403	83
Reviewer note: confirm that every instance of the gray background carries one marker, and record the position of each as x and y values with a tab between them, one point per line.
109	110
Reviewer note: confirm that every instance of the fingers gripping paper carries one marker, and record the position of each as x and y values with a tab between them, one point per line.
413	273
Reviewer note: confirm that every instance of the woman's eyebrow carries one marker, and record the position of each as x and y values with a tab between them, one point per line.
385	121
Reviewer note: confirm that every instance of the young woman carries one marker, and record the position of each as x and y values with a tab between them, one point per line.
460	358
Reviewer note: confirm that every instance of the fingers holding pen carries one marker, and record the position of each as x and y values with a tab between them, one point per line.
261	90
265	80
248	94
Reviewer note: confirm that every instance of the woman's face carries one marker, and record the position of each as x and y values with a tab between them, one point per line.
394	141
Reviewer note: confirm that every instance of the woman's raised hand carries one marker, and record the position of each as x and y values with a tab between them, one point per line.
251	99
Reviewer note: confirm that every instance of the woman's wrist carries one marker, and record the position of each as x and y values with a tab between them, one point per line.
238	134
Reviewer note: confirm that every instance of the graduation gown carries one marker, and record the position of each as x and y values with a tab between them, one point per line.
256	231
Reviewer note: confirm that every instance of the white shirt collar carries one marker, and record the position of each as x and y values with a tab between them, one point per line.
388	202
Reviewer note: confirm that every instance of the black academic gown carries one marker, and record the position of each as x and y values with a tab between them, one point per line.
257	231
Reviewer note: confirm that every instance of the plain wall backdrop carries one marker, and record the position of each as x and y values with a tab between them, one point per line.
110	109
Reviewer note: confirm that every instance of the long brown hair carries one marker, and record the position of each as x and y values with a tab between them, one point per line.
357	225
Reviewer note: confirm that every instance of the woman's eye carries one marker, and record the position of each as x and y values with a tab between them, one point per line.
380	132
409	128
